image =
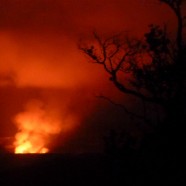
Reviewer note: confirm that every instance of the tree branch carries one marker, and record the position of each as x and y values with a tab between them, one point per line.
123	89
125	109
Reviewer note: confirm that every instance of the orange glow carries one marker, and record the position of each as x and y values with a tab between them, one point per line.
40	59
36	127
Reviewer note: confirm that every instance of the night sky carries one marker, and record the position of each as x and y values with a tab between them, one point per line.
41	68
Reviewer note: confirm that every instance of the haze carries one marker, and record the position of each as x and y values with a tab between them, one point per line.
40	60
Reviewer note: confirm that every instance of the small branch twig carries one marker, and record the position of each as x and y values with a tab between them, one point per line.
124	108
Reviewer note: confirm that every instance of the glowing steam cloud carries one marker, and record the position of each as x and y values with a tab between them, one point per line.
36	126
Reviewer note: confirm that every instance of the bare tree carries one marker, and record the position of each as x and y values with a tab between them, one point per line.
151	69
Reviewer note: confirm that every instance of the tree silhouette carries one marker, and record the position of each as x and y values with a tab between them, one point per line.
156	64
151	69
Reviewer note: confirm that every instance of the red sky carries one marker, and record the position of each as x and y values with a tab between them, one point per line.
39	59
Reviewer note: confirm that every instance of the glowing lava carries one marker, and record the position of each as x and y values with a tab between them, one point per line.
36	126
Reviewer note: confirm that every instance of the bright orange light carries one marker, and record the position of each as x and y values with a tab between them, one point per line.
35	127
27	145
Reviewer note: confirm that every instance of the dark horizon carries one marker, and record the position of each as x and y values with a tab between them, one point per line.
92	92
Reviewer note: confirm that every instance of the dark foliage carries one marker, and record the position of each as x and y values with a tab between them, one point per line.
156	66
